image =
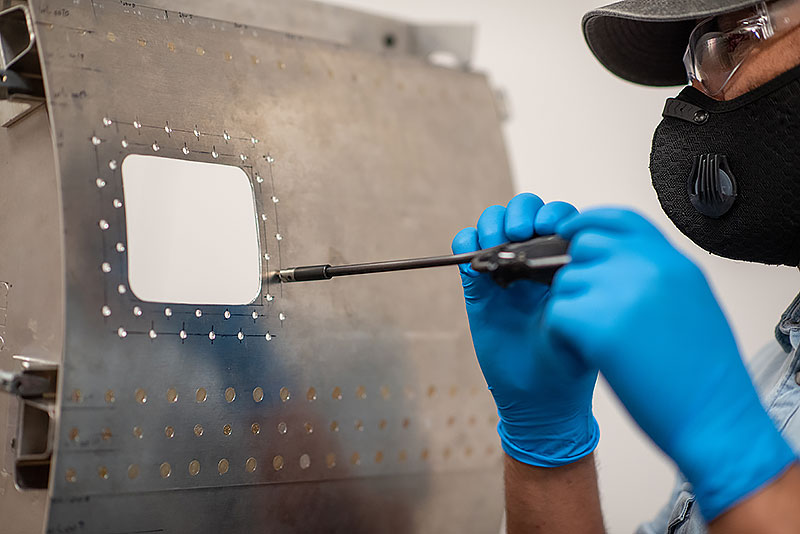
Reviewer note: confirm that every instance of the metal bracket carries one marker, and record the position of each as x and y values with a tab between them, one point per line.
21	88
36	423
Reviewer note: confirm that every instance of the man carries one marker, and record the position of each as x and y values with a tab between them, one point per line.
725	163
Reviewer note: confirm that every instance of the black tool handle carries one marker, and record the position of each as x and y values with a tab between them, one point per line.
537	259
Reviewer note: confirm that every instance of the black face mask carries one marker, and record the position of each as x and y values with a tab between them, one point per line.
728	173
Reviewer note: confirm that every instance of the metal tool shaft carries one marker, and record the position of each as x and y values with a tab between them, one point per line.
326	272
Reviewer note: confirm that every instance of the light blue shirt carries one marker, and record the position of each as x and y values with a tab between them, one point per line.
773	371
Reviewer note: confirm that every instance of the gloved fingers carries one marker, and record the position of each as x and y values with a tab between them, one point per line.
491	227
474	283
466	241
551	214
614	220
591	246
520	215
571	280
563	323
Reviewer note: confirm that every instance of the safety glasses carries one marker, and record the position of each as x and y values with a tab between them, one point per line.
719	45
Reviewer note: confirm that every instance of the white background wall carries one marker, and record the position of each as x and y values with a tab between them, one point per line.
579	134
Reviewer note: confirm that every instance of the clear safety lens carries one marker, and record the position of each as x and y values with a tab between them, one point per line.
718	46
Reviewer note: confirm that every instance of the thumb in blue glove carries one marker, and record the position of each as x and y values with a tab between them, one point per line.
543	396
637	309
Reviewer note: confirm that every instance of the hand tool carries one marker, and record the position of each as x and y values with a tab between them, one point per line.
537	259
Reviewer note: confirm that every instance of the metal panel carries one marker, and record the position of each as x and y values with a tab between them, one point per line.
374	416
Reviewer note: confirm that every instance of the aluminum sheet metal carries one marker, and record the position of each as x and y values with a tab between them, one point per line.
354	405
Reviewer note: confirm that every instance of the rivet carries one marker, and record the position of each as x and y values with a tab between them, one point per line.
105	434
183	334
255	60
117	203
240	335
214	153
334	426
281	316
141	396
382	424
96	140
103	224
268	336
243	157
171	46
172	395
76	396
270	159
120	247
264	218
254	315
336	394
152	333
167	129
311	394
142	42
359	425
74	435
70	475
330	460
385	393
222	466
253	140
168	312
137	432
305	461
121	332
107	121
196	132
258	394
227	314
137	311
378	457
106	311
230	394
198	313
137	124
110	397
279	237
270	298
226	135
309	428
212	336
133	471
185	149
285	395
200	395
275	199
124	143
100	183
250	465
355	459
169	432
200	51
112	164
260	180
277	462
226	429
361	392
165	469
255	428
155	146
198	430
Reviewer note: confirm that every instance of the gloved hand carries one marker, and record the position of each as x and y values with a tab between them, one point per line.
637	309
543	396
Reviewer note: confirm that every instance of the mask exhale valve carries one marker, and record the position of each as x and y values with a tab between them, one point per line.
712	186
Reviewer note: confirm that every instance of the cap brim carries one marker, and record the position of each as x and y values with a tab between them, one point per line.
643	41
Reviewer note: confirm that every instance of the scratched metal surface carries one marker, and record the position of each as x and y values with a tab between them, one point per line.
353	155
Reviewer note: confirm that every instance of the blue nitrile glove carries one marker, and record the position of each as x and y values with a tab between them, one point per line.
632	306
543	397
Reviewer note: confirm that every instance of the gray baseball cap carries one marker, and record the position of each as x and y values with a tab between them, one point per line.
643	41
